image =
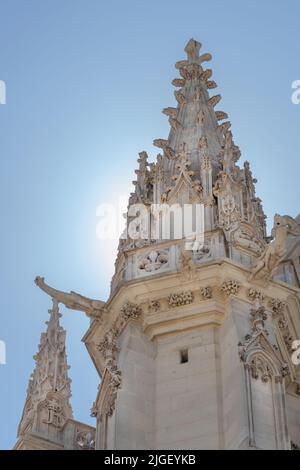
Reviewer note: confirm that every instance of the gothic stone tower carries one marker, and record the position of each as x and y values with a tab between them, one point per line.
194	347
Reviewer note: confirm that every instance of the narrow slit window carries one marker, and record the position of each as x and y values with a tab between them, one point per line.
184	356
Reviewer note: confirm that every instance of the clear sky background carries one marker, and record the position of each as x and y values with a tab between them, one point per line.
86	82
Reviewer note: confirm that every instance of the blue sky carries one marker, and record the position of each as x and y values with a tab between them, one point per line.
86	82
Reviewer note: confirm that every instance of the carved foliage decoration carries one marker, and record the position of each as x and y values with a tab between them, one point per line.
279	311
109	349
206	293
260	369
183	298
153	261
231	287
130	311
255	295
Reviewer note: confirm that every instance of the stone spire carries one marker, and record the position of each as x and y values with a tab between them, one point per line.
197	164
194	122
47	405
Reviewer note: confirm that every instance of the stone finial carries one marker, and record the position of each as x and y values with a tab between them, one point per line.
192	50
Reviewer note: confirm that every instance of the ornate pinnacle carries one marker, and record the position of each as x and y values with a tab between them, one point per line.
49	388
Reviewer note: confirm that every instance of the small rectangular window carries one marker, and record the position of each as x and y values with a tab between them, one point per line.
184	356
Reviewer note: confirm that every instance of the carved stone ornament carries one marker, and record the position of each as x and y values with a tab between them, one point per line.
279	311
231	287
153	261
206	163
214	100
186	260
180	97
285	232
260	369
277	306
206	293
255	295
55	413
130	311
183	298
203	144
154	306
245	238
229	211
178	82
259	316
258	354
85	440
203	252
110	404
108	346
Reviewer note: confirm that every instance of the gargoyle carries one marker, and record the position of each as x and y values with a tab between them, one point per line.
92	308
284	230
